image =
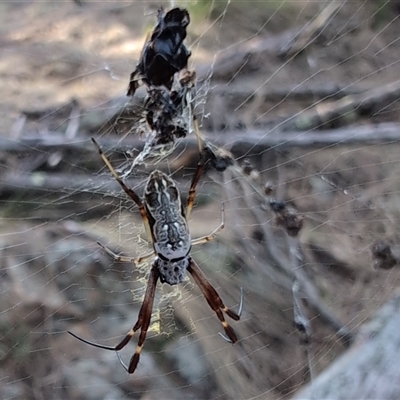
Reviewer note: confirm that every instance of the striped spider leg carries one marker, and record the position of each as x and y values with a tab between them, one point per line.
165	220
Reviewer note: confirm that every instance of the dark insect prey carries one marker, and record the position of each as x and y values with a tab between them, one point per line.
165	110
167	115
164	54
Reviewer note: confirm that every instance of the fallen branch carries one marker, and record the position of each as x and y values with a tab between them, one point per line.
273	45
310	91
228	62
345	110
70	184
311	31
291	273
258	139
62	183
370	369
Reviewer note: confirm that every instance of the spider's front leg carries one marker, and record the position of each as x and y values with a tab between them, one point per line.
195	181
131	193
199	136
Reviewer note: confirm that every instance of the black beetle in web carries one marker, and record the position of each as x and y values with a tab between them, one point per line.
164	54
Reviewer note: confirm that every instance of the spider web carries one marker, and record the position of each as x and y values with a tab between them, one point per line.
302	96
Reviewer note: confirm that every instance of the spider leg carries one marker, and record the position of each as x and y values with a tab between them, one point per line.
195	181
121	361
142	323
238	313
141	259
213	299
211	236
145	316
199	136
127	190
119	258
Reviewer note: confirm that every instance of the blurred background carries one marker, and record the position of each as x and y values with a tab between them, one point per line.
303	96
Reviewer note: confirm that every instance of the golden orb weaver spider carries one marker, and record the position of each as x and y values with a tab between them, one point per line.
165	220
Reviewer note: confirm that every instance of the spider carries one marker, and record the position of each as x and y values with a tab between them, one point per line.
164	53
165	220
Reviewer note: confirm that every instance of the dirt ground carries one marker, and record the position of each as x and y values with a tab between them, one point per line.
62	62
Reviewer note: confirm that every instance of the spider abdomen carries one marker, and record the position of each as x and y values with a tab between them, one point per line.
172	272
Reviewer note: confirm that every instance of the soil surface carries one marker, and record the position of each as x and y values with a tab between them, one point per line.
64	71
